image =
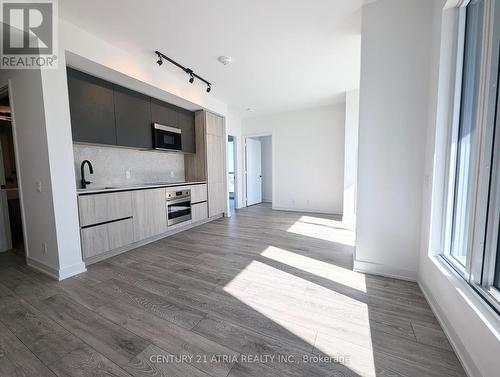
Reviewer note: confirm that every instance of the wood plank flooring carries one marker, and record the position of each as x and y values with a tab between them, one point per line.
264	293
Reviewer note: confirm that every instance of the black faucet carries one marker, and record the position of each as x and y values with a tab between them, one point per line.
91	170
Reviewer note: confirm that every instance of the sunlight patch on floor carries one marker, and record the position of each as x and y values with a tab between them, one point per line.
323	229
325	270
334	323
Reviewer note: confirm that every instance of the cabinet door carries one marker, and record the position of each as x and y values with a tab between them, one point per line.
95	241
198	193
215	162
133	119
199	212
91	106
100	208
99	239
120	233
216	165
150	213
164	113
215	124
186	124
216	198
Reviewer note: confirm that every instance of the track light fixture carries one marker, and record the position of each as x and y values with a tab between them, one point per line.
189	71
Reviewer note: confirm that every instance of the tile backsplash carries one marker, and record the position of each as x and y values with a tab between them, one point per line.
121	166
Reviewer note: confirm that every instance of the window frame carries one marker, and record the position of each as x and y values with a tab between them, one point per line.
481	240
452	151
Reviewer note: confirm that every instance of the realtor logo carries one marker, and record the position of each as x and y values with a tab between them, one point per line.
28	34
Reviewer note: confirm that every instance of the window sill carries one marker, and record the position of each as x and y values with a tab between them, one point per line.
473	299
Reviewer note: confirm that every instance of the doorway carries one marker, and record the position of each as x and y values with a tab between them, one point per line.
259	170
231	172
11	228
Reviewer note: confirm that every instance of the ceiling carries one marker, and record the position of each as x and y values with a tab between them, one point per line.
287	54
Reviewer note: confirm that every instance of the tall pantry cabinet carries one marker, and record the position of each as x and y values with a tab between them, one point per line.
209	162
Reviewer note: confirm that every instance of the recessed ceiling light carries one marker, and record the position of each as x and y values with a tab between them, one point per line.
249	109
225	59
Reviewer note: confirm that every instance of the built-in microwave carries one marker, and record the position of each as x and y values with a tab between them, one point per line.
167	138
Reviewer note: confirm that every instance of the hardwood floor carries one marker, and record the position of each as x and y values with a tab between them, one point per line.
264	293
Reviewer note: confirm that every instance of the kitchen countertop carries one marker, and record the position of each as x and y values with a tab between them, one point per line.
139	186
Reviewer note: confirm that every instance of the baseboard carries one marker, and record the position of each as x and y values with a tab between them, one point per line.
462	354
305	210
60	274
384	270
43	268
73	270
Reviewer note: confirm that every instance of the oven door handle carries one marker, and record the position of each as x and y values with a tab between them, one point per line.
179	200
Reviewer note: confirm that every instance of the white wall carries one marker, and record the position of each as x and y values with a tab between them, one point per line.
308	157
267	168
33	163
400	108
351	157
59	141
42	131
395	64
471	325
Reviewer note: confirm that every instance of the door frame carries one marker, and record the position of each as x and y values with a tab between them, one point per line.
236	171
7	88
273	147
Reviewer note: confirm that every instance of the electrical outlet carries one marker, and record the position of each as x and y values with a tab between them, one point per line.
38	186
44	248
127	174
172	174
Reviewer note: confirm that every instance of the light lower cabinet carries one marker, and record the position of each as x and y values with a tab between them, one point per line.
199	212
101	208
110	221
99	239
150	213
198	193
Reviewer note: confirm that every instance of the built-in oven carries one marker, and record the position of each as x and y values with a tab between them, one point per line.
167	138
178	206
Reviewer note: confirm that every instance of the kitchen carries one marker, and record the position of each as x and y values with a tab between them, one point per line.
145	169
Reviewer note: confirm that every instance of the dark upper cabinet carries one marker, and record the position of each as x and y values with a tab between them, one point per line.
133	119
186	124
105	113
164	113
91	106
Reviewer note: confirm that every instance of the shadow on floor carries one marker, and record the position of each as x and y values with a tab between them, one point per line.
263	293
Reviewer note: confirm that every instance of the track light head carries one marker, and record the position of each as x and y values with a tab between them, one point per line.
191	79
160	61
209	88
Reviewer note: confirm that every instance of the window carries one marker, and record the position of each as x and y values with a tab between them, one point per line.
466	137
472	237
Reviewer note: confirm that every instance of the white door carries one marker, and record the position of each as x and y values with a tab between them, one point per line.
5	237
254	172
